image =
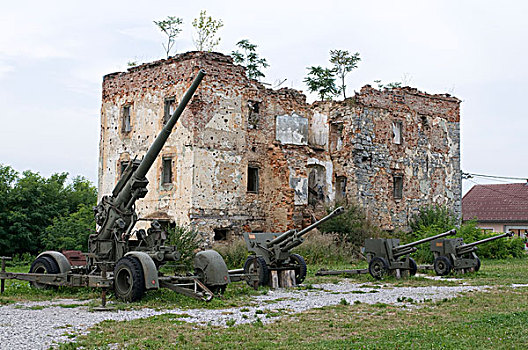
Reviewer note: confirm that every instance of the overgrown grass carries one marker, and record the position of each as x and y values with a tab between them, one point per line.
486	320
495	319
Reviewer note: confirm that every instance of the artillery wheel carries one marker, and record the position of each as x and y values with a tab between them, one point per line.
255	264
300	267
442	266
413	267
477	266
43	264
129	280
378	267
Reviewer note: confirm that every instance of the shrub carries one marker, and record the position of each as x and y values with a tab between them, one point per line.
234	253
187	240
351	227
435	215
326	248
435	220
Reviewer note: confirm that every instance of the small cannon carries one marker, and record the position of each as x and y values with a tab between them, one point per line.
453	254
272	251
387	255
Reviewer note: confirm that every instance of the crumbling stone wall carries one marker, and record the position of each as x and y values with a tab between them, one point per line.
302	156
426	158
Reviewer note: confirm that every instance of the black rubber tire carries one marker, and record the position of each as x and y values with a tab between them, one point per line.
129	280
300	267
442	266
256	264
413	267
43	264
477	267
378	267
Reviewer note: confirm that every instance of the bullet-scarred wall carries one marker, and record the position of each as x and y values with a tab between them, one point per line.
246	158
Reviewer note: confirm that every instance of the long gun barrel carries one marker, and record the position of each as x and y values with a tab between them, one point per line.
425	240
301	233
468	246
126	194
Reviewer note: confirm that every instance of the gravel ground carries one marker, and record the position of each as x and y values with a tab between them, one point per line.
38	325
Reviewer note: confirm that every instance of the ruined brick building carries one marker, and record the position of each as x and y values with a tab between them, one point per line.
247	158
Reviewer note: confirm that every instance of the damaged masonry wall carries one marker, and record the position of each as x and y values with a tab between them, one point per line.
246	158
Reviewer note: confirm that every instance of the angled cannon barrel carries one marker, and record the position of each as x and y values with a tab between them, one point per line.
425	240
132	188
301	233
469	246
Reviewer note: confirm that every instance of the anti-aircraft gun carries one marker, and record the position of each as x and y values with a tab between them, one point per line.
272	251
453	254
386	255
134	262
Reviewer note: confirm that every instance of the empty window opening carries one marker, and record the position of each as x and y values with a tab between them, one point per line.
127	126
424	121
254	116
166	172
316	184
220	234
397	132
169	108
336	136
398	186
253	179
341	182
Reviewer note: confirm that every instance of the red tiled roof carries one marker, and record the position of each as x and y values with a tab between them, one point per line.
500	203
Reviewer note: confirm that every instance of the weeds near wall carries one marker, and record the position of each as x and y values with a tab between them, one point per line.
188	241
352	227
433	220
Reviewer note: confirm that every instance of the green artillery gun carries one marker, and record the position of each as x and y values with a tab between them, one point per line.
386	255
115	259
453	254
272	251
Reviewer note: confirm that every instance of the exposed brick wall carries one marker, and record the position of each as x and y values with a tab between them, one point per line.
231	123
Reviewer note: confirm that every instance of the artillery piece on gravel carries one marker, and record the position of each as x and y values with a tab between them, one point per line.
452	254
272	251
388	256
131	266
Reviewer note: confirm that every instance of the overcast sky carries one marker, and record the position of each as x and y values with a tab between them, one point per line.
53	55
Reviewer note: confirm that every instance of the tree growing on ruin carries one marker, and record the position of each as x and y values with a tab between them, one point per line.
250	59
344	62
206	30
171	28
322	81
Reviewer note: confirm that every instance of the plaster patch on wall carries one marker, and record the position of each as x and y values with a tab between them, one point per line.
292	129
319	129
300	186
329	168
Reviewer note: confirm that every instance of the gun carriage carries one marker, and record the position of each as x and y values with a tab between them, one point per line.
386	255
272	251
452	254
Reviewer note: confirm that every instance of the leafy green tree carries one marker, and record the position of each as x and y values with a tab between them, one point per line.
206	29
8	177
322	81
70	231
171	28
344	62
30	203
250	59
